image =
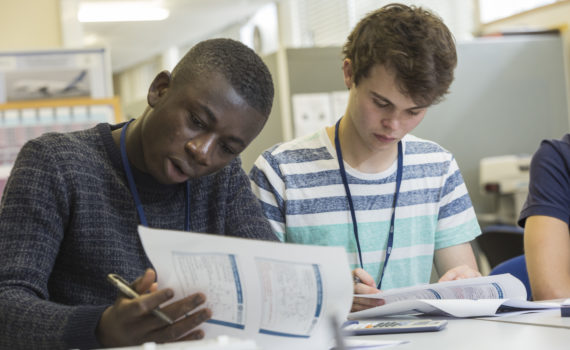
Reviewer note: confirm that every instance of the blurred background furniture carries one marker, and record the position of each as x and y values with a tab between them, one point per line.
500	243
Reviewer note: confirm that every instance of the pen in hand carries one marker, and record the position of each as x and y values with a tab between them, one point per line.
124	287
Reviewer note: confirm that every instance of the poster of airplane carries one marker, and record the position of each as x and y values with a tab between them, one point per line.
47	84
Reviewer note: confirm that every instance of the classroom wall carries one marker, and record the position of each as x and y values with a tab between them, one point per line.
29	24
553	16
509	93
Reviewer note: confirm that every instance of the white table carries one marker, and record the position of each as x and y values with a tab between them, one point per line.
534	331
549	318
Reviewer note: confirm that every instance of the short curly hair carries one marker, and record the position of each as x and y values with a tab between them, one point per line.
413	43
239	64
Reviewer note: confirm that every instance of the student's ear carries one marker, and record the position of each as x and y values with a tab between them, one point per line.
158	87
348	73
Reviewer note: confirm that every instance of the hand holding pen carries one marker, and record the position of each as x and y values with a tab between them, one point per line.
135	317
124	288
364	284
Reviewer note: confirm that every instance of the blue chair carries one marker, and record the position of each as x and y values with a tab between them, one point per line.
517	267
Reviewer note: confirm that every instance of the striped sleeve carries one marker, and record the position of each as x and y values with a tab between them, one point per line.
269	188
457	222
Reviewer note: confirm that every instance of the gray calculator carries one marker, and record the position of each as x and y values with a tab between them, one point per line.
392	326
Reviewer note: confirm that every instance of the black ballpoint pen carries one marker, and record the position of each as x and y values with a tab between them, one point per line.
124	287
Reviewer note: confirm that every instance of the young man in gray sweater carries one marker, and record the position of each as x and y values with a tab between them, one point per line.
71	207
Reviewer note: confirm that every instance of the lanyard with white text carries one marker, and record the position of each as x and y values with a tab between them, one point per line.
133	187
351	205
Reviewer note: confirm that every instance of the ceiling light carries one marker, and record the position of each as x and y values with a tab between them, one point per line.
121	11
91	40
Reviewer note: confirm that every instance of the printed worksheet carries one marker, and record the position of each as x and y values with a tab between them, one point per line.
472	297
295	288
489	287
280	295
219	277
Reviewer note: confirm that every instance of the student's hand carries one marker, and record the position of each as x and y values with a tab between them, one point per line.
459	272
364	284
131	322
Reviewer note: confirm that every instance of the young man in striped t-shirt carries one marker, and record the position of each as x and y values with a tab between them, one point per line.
352	183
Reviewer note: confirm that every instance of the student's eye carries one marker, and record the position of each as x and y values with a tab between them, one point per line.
381	104
197	121
227	149
413	113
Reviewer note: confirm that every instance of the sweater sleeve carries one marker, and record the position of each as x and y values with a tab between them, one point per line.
34	211
244	215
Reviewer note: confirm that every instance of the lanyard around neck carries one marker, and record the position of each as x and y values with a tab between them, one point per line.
133	187
351	205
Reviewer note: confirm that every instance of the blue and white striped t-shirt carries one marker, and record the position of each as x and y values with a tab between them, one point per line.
302	194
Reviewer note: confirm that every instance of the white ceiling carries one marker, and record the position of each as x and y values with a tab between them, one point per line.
189	21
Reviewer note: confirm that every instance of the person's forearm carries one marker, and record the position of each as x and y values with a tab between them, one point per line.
452	257
31	323
548	292
547	251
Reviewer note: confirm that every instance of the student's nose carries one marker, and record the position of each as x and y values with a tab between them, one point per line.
391	121
201	148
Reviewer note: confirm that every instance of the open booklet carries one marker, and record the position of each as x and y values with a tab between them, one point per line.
473	297
280	296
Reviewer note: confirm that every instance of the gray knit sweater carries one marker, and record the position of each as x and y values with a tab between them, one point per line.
67	219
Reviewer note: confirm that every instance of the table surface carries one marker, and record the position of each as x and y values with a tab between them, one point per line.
544	330
531	331
550	318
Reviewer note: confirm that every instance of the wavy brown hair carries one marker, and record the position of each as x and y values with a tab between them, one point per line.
412	42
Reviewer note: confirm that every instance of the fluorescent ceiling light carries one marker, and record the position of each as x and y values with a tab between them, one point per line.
121	11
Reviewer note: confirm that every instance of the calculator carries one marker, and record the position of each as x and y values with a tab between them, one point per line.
392	326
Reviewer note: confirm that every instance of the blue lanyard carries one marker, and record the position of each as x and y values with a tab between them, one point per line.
351	205
133	187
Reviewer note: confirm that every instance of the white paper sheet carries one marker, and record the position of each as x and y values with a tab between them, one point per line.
483	296
281	295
